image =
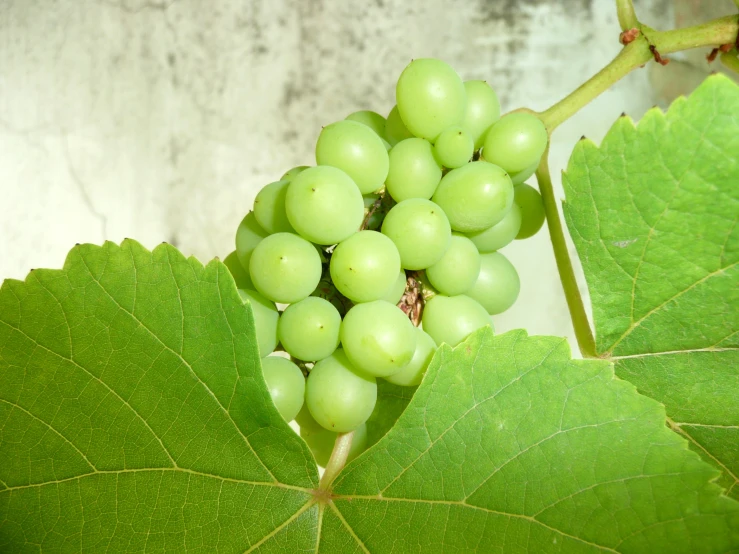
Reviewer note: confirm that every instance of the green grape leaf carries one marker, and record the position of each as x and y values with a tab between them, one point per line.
509	445
133	413
134	418
653	213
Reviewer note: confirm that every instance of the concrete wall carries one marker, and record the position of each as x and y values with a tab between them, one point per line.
160	119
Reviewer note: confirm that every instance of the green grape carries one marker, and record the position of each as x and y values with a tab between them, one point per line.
521	176
309	330
365	266
248	235
475	196
529	201
431	97
395	293
324	205
412	374
515	142
457	269
285	268
483	109
266	319
321	441
291	173
395	129
454	147
386	144
371	119
355	149
286	385
339	397
499	235
414	170
240	275
269	208
497	285
378	338
451	319
420	230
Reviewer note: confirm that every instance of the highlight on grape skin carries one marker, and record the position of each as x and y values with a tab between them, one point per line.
359	267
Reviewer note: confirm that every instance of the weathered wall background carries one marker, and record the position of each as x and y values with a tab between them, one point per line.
159	120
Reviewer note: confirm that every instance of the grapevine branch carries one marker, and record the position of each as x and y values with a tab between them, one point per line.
641	44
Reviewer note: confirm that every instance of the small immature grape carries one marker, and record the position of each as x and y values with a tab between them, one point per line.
357	150
378	338
266	318
269	208
499	235
285	268
309	329
531	204
286	385
475	196
395	129
483	109
324	205
371	119
498	285
239	274
412	374
414	170
420	230
431	97
395	293
339	397
454	147
451	319
291	173
521	176
458	268
365	266
248	235
515	142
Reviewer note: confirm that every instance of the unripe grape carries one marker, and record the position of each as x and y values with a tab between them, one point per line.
371	119
458	268
420	230
269	208
499	235
309	329
355	149
475	196
414	170
395	129
431	97
531	204
451	319
497	285
266	318
324	205
285	268
378	338
286	385
483	109
339	397
454	147
515	142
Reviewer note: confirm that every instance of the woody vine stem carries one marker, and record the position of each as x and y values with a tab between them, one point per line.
641	44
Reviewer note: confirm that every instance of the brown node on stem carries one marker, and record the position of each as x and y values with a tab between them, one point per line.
628	36
723	48
657	57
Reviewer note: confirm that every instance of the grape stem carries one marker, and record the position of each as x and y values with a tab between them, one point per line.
647	45
626	15
583	332
337	461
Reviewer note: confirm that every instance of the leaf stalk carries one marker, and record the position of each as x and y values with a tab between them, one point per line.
337	461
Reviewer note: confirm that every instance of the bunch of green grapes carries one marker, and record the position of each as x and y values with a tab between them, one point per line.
431	192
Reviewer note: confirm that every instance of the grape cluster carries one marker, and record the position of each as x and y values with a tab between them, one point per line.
388	247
